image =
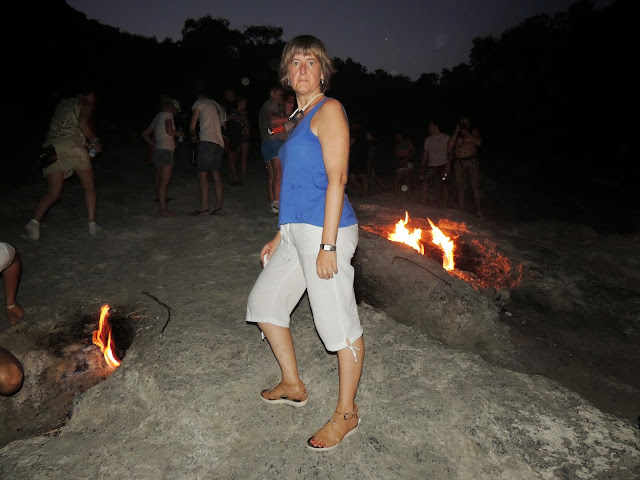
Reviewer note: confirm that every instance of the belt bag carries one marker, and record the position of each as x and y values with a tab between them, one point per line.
48	156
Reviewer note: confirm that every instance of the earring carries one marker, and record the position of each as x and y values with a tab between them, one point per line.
288	82
321	80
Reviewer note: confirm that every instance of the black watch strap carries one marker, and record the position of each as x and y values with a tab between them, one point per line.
327	248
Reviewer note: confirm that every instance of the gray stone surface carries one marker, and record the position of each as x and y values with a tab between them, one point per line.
185	405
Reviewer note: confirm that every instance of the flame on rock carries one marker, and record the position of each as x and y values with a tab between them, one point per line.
445	243
403	235
413	239
103	339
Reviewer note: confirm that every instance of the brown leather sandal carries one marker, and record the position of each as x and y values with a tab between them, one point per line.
331	435
278	394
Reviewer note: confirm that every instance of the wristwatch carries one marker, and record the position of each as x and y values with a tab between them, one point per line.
327	248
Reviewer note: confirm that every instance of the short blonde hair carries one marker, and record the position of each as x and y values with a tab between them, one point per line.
307	45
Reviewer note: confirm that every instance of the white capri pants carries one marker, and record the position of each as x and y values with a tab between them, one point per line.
7	253
292	270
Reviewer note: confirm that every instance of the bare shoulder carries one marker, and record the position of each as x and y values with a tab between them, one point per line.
332	109
331	104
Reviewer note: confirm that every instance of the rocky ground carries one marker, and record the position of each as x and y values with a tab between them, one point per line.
519	365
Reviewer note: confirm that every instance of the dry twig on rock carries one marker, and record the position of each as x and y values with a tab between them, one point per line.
165	306
421	266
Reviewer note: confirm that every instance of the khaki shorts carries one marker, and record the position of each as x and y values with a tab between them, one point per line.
70	157
292	270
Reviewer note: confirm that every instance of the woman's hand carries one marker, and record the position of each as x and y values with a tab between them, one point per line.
269	249
327	264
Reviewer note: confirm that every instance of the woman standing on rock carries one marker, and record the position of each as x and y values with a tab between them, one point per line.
317	237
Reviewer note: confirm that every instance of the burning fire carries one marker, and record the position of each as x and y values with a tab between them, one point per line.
445	243
102	338
403	235
413	239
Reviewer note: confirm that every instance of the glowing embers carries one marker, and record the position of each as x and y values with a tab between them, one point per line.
414	240
104	340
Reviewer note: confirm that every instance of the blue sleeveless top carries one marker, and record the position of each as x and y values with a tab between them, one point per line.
304	179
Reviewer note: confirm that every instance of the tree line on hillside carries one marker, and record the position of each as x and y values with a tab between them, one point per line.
555	86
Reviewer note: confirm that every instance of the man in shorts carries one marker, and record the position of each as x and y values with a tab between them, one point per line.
210	144
464	143
272	115
436	163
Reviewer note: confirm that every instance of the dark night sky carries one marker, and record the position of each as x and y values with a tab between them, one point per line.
407	37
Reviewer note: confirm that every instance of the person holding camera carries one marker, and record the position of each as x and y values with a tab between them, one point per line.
464	143
72	133
436	162
313	248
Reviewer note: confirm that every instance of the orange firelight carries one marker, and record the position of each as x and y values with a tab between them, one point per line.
445	243
413	239
403	235
103	339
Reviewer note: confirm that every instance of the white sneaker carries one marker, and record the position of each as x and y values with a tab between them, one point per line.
274	208
33	230
95	229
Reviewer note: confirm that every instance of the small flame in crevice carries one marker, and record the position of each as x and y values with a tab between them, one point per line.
103	339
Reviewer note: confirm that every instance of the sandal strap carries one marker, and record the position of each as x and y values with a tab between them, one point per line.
348	415
283	395
329	434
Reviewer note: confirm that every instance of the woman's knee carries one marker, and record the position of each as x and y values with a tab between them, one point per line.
11	373
55	195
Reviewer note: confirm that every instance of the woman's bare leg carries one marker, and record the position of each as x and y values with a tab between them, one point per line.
349	371
346	416
282	347
244	156
165	178
86	180
55	183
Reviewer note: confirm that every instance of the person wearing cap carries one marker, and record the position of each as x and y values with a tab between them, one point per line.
72	134
161	134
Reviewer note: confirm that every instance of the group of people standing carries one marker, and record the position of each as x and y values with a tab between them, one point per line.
444	156
216	131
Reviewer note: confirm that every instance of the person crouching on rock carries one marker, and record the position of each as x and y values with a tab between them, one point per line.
11	372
